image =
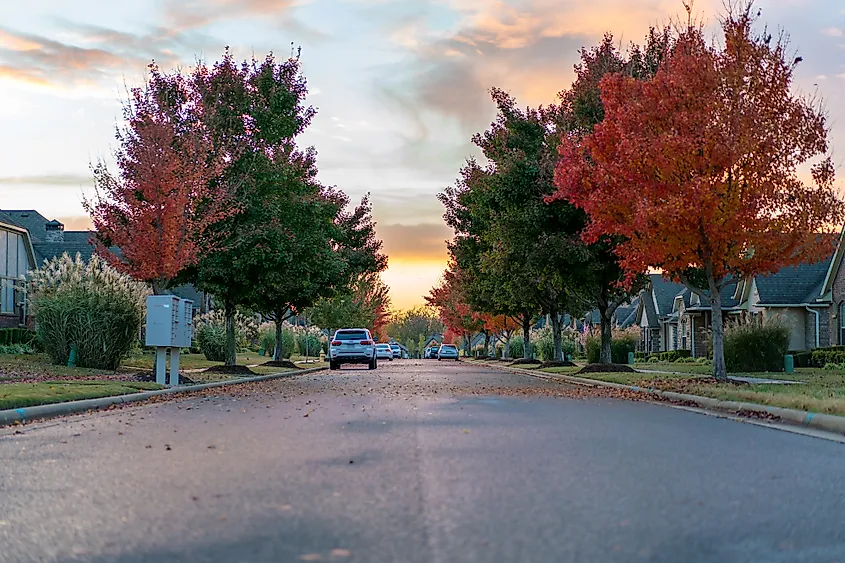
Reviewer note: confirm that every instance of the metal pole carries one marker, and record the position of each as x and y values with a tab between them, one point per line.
161	364
174	365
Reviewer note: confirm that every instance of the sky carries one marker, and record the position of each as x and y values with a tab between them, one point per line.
400	87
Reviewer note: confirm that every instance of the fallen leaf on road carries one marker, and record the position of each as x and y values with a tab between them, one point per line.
341	553
311	557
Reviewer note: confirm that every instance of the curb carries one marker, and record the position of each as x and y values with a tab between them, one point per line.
27	414
819	421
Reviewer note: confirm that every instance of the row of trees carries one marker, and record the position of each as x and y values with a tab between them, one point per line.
212	189
680	155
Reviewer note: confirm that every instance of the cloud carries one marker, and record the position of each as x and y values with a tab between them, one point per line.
193	14
51	180
415	243
88	57
833	32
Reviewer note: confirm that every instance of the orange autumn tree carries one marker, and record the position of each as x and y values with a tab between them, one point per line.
503	326
698	167
156	211
449	300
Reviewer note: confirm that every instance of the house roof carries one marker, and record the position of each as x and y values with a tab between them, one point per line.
664	293
75	242
626	315
30	220
793	285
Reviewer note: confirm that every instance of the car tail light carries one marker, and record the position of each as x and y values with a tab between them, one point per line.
366	343
336	342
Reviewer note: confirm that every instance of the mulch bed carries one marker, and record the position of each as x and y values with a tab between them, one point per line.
557	364
150	377
281	364
526	362
230	370
606	368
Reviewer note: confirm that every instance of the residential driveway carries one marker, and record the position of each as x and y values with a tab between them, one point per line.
419	461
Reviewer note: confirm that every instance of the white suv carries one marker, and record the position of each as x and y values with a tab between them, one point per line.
352	346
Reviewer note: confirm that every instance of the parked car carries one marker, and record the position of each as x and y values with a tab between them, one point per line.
383	352
431	352
447	352
352	346
397	351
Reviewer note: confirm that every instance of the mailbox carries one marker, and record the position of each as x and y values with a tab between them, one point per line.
186	324
162	320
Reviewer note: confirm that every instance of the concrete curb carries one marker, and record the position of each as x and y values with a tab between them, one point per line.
819	421
27	414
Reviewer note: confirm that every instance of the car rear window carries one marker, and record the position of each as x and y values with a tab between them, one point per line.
351	335
447	347
382	346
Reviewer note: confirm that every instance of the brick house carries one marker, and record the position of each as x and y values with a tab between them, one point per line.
654	315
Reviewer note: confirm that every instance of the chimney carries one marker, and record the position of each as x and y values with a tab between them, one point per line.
55	232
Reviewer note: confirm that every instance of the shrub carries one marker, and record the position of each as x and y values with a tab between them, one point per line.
544	344
653	360
16	349
622	343
672	355
210	332
822	356
10	336
87	305
517	349
309	339
802	358
756	345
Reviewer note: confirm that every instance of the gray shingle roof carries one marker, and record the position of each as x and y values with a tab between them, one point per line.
793	285
30	220
626	315
664	293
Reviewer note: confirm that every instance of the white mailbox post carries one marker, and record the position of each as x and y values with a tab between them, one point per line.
169	325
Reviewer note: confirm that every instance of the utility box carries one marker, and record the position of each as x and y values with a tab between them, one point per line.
163	320
186	324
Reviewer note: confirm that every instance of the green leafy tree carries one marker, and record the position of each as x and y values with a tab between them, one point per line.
414	326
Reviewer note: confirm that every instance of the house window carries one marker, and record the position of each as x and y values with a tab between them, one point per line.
684	334
841	323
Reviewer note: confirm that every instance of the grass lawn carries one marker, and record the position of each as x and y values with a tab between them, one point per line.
17	395
15	367
822	391
191	361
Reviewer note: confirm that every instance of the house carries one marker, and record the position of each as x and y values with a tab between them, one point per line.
17	257
48	239
798	295
654	315
810	297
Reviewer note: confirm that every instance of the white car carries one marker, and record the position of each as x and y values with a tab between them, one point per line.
447	352
352	346
384	352
397	351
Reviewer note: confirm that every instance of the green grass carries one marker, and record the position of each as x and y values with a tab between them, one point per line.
14	367
823	391
191	361
18	395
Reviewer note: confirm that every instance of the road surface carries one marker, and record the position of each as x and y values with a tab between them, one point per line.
419	461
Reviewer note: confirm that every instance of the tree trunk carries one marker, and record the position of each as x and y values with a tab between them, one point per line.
507	353
486	344
279	352
526	336
231	357
605	356
720	371
556	330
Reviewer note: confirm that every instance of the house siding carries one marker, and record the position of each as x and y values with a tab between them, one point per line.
700	332
797	321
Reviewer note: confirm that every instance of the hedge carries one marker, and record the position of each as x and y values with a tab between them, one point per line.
12	336
672	355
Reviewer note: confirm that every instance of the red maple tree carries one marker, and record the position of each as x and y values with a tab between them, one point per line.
157	209
448	300
697	168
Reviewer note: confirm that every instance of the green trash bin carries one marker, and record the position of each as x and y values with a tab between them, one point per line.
789	364
630	358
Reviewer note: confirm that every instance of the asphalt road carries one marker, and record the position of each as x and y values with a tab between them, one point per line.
419	461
